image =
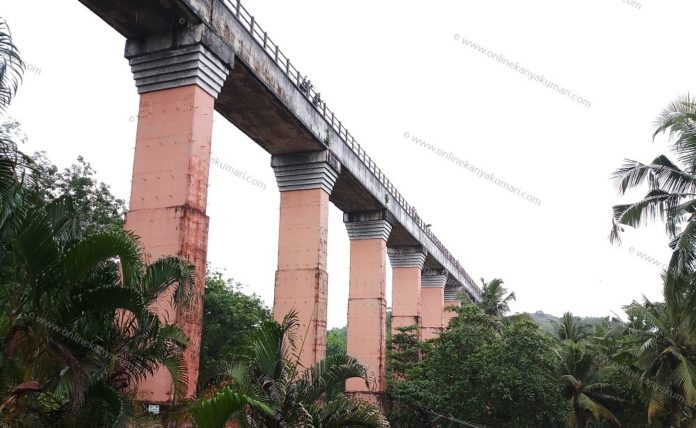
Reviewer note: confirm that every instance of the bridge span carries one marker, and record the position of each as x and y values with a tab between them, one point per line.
192	57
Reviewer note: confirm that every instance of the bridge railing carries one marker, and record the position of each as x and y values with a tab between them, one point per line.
305	86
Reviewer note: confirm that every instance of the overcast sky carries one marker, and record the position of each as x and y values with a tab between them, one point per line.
392	69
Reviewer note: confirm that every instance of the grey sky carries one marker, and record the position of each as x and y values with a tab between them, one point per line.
395	68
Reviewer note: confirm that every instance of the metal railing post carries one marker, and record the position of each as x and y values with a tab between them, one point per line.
342	132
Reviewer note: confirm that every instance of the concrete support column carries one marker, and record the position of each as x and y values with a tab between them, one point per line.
433	303
407	264
451	301
367	304
305	181
169	190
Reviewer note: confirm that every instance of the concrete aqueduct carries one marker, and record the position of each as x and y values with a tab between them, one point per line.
192	57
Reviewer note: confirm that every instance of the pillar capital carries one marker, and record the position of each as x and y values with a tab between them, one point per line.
175	67
182	57
407	257
434	278
303	171
367	225
451	294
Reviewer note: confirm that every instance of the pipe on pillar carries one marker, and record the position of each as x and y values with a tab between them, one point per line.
367	304
178	87
305	181
433	302
407	265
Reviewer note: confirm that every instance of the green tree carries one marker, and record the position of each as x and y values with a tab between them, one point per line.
229	317
336	345
336	341
662	345
589	397
482	371
269	373
75	319
96	208
671	186
404	366
495	302
571	329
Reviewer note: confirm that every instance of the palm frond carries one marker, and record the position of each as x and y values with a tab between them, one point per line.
176	365
11	66
598	410
165	273
684	376
108	245
331	371
678	121
343	412
225	406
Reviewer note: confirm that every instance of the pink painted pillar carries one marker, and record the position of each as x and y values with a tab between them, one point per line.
407	265
170	182
367	304
451	302
305	181
433	303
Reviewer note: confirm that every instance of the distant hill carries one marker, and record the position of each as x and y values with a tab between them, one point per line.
549	323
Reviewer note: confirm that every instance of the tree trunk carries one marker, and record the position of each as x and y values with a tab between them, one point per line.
675	413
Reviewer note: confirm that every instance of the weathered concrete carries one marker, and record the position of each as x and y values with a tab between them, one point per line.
168	202
268	106
433	303
367	304
407	264
305	182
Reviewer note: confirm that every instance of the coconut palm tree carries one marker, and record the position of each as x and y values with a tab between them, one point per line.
664	350
671	186
268	372
495	302
582	386
570	329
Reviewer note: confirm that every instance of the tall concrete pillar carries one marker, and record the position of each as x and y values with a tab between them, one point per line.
407	265
305	181
451	301
367	304
178	88
433	303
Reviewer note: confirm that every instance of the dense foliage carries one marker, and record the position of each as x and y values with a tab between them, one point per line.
478	372
265	387
75	314
229	317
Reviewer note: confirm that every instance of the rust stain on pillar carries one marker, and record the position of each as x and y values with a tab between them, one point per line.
367	305
168	203
305	181
301	279
367	308
433	304
407	265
